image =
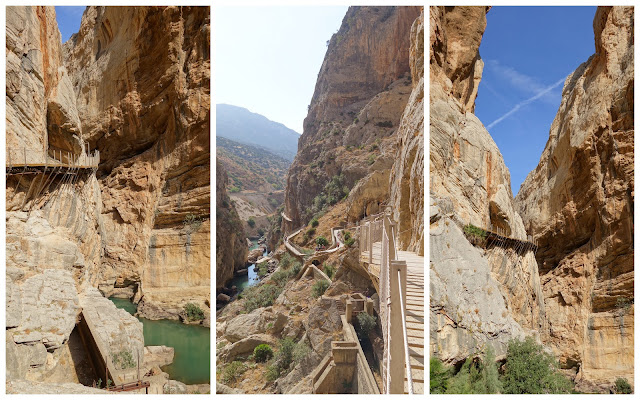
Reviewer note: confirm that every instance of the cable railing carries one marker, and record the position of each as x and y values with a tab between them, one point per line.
392	291
53	157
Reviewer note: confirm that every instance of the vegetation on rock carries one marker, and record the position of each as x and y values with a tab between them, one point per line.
262	353
194	312
623	386
124	359
319	288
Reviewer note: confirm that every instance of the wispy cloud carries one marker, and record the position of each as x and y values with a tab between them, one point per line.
520	81
523	103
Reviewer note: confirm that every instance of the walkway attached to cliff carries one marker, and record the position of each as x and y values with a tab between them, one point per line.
373	250
30	161
497	236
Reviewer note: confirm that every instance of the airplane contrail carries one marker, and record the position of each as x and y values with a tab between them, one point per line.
525	102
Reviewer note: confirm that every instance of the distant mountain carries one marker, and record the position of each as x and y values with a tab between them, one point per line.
251	167
241	125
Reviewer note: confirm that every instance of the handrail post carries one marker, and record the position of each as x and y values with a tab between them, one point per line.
370	241
398	280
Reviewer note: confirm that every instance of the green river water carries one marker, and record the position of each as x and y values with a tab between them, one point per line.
191	363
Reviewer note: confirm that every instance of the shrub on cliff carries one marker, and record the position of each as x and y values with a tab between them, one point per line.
623	386
529	369
194	312
233	372
329	270
286	260
319	288
260	296
251	222
314	223
262	353
124	359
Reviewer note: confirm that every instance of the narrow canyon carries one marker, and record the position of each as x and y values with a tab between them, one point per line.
560	268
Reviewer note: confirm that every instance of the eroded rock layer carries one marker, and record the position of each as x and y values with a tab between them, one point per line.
470	184
578	203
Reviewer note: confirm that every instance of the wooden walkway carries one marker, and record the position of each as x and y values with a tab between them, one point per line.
29	161
415	308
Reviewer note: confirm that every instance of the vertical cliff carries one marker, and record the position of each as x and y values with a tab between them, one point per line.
54	233
231	247
141	78
407	174
477	295
578	203
362	89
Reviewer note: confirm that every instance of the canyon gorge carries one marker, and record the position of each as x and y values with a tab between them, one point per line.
132	87
572	289
361	154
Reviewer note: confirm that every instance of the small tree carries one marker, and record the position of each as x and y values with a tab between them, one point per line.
329	270
366	324
251	222
315	223
529	369
322	241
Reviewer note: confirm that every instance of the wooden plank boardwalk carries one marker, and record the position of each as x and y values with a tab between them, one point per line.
414	308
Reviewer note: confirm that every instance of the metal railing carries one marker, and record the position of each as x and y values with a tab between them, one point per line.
392	291
23	157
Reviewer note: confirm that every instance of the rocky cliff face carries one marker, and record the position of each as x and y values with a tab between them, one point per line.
578	203
470	183
143	220
141	78
362	89
407	173
231	247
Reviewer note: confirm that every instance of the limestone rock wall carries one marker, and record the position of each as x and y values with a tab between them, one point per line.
578	203
231	247
141	78
362	89
470	182
407	173
41	108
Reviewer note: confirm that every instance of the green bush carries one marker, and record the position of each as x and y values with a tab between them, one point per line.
194	312
310	232
260	296
262	353
349	242
366	323
297	266
263	269
347	235
475	231
251	222
286	260
322	241
281	276
529	369
124	359
319	288
233	372
260	231
371	159
329	270
623	386
438	376
272	373
315	223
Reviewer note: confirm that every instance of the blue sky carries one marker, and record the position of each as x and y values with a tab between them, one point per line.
69	20
268	58
528	52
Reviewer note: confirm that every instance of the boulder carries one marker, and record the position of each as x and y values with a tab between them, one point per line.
158	356
245	325
245	346
174	387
